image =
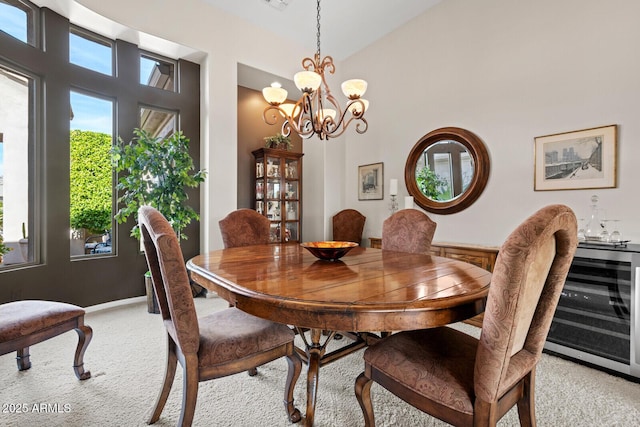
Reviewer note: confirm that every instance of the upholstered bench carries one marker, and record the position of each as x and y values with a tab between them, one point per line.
24	323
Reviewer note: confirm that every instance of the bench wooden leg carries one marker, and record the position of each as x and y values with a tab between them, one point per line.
22	358
85	333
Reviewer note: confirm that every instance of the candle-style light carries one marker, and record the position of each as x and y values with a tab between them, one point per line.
393	193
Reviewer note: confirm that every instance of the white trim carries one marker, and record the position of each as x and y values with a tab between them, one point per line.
115	304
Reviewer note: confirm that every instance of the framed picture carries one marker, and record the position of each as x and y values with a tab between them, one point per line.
576	160
370	182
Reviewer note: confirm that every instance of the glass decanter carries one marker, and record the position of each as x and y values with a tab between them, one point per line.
594	226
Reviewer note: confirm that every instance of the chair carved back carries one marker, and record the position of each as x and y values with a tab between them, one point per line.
244	227
170	279
348	225
408	230
528	277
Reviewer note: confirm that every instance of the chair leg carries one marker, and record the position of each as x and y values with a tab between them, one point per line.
85	333
485	414
526	404
363	394
169	375
295	367
189	389
22	358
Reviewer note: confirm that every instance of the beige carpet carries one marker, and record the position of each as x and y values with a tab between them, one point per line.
127	356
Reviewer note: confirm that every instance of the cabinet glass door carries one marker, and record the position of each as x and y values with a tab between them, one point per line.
292	211
291	169
278	192
291	190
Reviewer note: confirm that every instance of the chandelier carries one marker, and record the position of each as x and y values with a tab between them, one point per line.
317	111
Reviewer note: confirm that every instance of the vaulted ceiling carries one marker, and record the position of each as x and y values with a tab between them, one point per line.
347	26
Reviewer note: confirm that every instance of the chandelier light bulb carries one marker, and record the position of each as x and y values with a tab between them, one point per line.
327	112
355	107
307	81
274	94
291	110
354	88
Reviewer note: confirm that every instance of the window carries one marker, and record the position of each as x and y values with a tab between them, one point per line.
17	20
90	51
40	126
15	92
157	122
156	72
91	177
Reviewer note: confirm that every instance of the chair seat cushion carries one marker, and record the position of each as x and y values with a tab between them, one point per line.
232	334
435	363
22	318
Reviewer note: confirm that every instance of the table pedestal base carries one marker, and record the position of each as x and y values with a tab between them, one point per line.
315	356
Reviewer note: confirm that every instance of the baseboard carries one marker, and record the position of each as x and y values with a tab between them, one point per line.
115	304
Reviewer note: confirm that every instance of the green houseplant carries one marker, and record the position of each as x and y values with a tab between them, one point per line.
3	248
158	171
431	185
278	140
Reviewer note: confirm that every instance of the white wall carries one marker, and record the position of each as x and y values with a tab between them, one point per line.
508	70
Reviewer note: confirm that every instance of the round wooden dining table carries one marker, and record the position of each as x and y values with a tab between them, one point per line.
366	294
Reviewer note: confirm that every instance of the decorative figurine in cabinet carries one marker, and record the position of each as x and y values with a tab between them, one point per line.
278	192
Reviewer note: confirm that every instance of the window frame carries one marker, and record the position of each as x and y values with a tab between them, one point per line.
54	274
33	20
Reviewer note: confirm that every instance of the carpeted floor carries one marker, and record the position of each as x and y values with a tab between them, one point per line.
127	357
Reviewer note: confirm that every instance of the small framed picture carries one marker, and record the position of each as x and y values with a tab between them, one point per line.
370	182
576	160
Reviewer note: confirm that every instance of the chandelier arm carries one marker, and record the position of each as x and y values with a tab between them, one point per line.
362	121
306	126
343	123
286	128
326	63
357	114
329	97
309	64
273	119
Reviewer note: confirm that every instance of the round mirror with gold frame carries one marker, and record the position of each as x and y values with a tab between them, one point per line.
447	170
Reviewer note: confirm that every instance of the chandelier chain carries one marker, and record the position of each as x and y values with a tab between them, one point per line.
318	26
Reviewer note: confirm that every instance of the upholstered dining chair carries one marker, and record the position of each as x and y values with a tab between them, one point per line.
466	381
348	225
408	230
244	227
223	343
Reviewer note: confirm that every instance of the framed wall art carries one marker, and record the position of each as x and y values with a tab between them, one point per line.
576	160
370	181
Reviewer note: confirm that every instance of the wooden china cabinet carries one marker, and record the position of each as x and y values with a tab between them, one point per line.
278	192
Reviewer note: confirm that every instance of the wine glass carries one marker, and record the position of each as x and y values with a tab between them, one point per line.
615	236
604	234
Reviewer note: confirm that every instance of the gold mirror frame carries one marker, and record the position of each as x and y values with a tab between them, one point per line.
481	163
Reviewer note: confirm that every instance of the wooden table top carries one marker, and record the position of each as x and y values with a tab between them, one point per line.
366	290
